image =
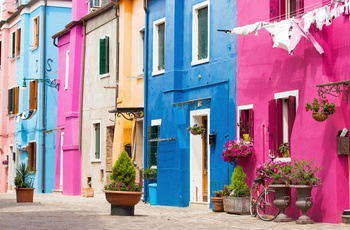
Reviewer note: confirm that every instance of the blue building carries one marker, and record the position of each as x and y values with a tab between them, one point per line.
189	80
36	68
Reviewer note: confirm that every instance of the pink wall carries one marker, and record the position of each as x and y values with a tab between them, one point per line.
263	71
69	101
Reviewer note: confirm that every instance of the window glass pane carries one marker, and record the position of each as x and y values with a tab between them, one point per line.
153	145
102	56
161	35
203	33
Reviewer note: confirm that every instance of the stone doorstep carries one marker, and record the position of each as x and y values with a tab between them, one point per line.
57	192
346	217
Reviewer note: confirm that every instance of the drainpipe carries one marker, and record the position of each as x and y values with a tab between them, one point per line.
43	112
145	79
117	56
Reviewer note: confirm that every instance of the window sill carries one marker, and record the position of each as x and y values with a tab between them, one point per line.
198	62
283	159
95	161
105	75
158	72
33	47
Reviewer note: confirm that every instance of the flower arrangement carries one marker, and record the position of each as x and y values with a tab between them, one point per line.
320	106
218	193
303	173
196	129
123	175
284	149
5	162
277	172
234	149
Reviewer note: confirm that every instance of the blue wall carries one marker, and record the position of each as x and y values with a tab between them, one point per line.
180	83
34	63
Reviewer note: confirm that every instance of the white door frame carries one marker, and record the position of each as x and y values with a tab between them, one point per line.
196	182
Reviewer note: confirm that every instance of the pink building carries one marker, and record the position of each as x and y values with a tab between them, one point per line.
277	74
70	42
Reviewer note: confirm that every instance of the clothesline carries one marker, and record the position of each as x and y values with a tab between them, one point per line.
287	33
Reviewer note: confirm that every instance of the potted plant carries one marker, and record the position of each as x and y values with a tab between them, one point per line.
244	128
150	173
320	109
5	163
217	201
234	149
196	129
303	178
123	193
284	149
278	172
236	195
24	183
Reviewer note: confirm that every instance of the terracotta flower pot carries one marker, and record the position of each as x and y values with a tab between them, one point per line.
24	194
320	116
122	202
218	205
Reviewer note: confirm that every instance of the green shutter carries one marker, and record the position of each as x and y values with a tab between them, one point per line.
104	55
161	36
203	33
97	141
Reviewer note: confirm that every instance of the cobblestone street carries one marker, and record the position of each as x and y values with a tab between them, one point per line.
49	211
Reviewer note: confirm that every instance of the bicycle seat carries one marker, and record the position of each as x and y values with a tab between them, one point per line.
259	180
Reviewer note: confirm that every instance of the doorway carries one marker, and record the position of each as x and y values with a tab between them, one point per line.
199	158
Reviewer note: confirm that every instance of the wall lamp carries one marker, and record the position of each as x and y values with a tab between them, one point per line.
49	82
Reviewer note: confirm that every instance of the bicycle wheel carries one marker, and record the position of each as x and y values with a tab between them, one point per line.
254	194
266	210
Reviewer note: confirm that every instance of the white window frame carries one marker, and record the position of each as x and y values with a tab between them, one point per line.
93	143
141	47
285	95
155	46
66	77
239	109
195	9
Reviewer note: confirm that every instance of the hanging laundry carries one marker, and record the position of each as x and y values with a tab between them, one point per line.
248	29
280	33
298	32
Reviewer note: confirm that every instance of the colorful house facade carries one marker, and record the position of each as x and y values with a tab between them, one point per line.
32	111
189	80
299	53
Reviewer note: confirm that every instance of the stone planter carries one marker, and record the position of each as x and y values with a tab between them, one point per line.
122	202
281	201
217	203
236	205
304	203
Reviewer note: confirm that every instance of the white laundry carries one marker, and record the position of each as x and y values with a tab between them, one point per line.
280	33
323	17
248	29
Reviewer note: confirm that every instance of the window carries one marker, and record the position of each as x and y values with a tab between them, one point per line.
200	33
283	9
158	47
153	133
245	122
33	94
282	111
98	3
66	78
97	141
104	55
13	99
32	156
141	50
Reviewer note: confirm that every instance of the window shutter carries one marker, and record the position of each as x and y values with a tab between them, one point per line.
291	115
33	91
18	42
272	126
279	125
16	100
102	56
203	33
242	121
161	43
251	121
274	10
